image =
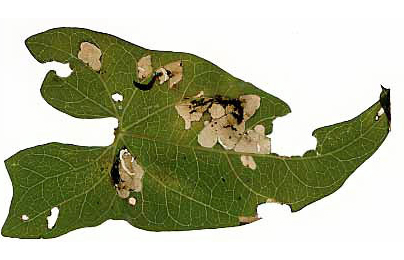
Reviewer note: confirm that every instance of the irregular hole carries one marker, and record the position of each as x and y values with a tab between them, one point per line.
53	217
273	210
63	70
287	139
94	132
24	217
117	97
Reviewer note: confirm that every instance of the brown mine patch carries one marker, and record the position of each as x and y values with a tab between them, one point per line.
248	219
132	201
144	67
172	72
126	174
248	161
227	124
192	109
90	54
271	200
254	141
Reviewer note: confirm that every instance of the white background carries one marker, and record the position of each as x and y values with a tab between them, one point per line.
326	59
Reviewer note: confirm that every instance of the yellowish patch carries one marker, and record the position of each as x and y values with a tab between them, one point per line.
271	200
248	161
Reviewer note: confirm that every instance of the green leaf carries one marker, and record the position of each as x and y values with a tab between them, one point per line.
185	185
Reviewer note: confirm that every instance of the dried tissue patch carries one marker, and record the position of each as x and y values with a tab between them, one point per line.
248	219
171	72
144	67
132	201
248	161
227	125
130	175
90	54
191	112
271	200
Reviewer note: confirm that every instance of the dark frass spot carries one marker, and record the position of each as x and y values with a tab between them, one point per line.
149	85
116	178
236	103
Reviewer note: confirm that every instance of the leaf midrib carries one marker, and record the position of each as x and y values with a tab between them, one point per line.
222	151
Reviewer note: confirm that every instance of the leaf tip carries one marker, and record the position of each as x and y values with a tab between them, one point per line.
29	44
385	103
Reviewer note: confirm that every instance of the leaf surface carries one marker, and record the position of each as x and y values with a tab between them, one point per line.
185	185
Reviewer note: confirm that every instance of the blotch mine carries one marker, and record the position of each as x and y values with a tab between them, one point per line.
227	124
171	72
254	141
126	174
248	161
144	67
248	219
90	54
132	201
192	109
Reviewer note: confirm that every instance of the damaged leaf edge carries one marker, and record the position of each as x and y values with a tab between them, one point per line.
386	91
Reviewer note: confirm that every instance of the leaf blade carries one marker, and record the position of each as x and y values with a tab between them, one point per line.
185	186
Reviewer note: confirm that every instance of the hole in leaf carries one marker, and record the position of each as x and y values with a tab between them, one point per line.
62	69
53	217
24	217
273	211
377	117
117	97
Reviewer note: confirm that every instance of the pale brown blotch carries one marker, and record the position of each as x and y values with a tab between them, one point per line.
90	54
